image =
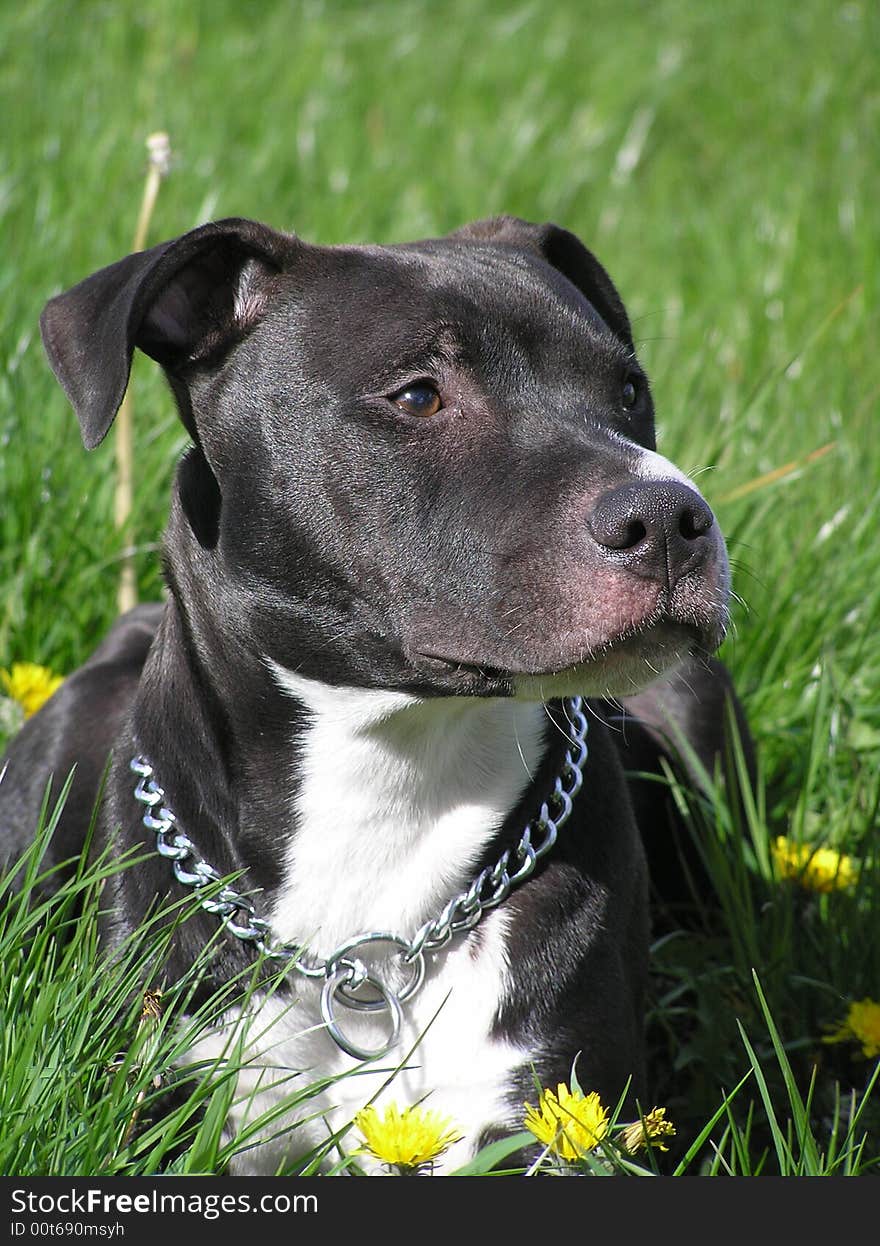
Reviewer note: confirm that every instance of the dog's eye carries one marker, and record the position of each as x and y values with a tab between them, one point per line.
421	398
629	395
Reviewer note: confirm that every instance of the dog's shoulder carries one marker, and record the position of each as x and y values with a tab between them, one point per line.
91	705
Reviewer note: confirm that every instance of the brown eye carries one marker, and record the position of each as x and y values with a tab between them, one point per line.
629	394
420	398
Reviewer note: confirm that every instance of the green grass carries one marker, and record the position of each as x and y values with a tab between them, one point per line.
721	160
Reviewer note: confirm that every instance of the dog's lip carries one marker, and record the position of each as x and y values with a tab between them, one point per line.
463	665
609	650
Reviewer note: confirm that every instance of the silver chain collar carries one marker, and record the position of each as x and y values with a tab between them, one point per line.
344	974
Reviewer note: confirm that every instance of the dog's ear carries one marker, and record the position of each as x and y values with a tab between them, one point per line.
567	254
178	302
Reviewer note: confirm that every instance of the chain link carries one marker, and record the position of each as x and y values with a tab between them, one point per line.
343	972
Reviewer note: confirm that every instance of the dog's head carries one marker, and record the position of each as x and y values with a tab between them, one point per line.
428	466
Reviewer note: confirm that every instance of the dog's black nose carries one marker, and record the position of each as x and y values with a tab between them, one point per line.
656	526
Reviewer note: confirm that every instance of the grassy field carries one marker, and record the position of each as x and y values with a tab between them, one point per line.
721	160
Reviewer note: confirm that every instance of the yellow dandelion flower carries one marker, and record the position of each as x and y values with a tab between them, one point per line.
817	869
30	685
409	1139
861	1025
569	1122
648	1132
152	1006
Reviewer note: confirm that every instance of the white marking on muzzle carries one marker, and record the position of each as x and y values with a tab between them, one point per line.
652	466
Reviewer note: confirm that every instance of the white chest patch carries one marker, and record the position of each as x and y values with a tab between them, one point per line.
396	800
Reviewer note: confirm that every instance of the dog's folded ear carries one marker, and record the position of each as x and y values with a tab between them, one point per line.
566	253
178	302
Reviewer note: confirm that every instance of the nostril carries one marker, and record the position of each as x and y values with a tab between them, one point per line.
616	524
617	527
694	522
634	533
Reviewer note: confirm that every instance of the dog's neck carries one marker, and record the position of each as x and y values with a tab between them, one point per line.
395	802
350	809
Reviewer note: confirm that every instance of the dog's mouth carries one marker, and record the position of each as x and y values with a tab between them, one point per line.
595	636
621	666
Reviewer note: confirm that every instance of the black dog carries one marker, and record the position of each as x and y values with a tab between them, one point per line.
422	516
